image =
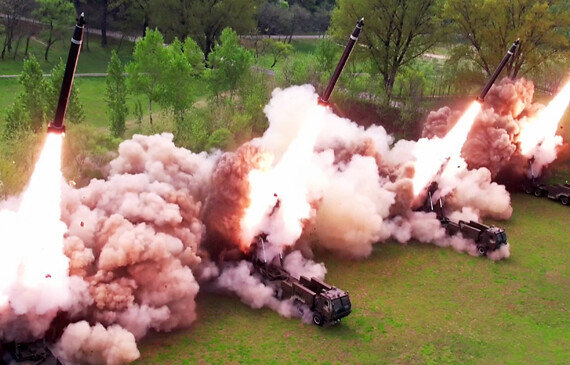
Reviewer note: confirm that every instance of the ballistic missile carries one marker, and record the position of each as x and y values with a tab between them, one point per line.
56	126
324	99
500	68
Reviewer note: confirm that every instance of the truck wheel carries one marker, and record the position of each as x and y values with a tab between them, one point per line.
528	190
317	319
482	251
538	193
564	200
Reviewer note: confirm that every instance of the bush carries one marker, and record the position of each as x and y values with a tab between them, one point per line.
17	119
221	138
116	95
86	152
297	70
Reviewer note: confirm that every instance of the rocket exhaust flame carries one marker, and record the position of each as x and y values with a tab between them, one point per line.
431	154
542	129
31	252
282	189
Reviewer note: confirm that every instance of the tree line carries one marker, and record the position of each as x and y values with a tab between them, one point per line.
396	32
203	20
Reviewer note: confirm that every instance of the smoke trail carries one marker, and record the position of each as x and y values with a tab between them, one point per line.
509	117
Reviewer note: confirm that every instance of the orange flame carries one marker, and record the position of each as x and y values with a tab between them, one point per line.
284	184
542	129
33	267
431	154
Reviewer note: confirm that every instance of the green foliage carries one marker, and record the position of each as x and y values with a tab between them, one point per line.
299	70
177	84
193	131
490	27
16	120
326	54
221	138
116	96
229	63
34	95
139	112
58	15
251	121
194	56
18	157
86	150
75	113
204	20
147	71
277	49
395	34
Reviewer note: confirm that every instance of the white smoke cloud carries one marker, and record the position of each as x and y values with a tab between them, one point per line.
83	344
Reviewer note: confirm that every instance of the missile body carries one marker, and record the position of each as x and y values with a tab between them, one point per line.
500	68
56	126
324	99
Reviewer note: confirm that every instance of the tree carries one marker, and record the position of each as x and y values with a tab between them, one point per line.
33	96
180	75
277	49
12	11
490	27
74	113
132	12
274	18
17	119
194	56
148	68
58	15
203	20
116	96
229	62
396	32
327	55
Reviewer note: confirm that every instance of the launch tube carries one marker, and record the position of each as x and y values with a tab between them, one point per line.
56	126
324	99
500	68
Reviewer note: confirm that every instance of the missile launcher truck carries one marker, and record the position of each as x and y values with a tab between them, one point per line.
487	238
36	353
558	192
328	304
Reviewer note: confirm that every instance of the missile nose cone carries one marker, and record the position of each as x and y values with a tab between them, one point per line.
81	20
518	41
360	22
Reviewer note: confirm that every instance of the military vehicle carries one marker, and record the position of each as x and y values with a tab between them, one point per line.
29	353
487	238
558	192
327	303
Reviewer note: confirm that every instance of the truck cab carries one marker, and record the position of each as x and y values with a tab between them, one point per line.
329	304
487	238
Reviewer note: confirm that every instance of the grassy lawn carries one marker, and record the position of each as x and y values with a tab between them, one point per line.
410	304
9	89
94	59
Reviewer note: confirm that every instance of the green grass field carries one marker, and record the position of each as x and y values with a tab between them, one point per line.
416	303
92	59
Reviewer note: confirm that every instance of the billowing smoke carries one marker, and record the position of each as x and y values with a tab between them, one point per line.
495	139
166	222
83	344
